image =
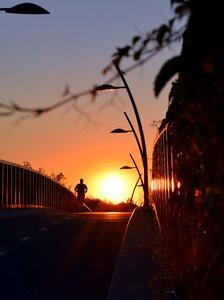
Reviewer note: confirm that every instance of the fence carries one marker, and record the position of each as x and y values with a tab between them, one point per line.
191	212
22	187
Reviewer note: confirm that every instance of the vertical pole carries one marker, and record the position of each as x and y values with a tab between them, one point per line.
132	195
144	151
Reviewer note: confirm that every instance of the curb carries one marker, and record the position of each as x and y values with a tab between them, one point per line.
140	271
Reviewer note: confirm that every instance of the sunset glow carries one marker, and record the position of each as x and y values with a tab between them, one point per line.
113	189
63	60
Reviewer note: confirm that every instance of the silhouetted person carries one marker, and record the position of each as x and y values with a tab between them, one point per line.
81	189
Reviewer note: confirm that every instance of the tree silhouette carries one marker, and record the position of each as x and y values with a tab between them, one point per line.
27	164
60	177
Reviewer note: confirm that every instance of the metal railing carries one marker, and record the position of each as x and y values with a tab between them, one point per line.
22	187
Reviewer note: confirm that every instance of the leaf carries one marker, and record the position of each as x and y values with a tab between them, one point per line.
123	51
135	39
147	39
181	9
137	54
168	70
173	91
162	31
171	22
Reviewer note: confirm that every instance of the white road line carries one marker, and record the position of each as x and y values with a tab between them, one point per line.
2	253
43	228
26	238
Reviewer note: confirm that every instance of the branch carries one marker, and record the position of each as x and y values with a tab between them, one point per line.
139	50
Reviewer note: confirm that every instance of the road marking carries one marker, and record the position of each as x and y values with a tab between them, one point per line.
67	218
43	228
2	253
26	238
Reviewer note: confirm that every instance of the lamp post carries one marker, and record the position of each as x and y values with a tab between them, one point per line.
139	175
133	192
120	130
25	8
140	141
135	167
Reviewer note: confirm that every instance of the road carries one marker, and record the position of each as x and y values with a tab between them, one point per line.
59	255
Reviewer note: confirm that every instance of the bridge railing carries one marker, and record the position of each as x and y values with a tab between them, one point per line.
22	187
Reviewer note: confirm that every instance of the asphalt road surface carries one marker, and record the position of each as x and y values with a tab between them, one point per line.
59	255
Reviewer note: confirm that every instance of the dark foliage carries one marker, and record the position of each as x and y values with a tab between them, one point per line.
168	70
98	205
194	231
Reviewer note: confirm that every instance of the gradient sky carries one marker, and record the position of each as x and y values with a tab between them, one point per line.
40	55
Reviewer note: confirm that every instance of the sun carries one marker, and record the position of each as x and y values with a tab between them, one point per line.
113	188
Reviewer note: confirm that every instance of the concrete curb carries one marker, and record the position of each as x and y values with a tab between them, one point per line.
140	272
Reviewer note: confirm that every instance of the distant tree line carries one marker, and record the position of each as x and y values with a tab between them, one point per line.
60	177
98	205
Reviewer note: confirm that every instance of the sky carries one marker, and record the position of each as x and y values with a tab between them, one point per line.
40	55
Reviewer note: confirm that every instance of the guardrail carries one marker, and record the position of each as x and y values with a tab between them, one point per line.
21	187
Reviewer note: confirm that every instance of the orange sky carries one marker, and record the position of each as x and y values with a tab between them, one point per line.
71	46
